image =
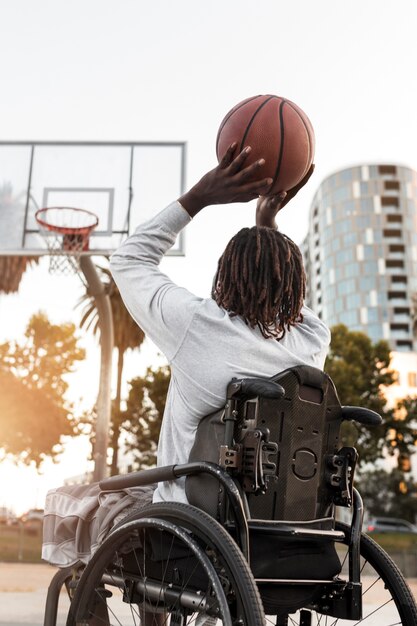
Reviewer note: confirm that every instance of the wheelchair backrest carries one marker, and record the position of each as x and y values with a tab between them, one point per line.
283	452
305	425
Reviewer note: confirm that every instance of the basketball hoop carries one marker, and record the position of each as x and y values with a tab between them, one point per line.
67	232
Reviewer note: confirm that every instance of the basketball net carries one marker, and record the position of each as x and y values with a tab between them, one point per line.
66	232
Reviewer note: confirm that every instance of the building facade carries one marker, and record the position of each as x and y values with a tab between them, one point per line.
361	252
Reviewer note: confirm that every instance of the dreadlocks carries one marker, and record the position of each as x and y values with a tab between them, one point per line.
260	277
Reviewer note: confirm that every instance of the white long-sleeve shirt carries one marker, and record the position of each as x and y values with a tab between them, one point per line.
205	346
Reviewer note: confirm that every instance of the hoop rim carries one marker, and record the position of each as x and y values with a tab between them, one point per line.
66	230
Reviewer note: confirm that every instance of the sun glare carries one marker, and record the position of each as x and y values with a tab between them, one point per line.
25	488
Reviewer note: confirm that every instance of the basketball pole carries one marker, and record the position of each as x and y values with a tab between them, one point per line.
105	319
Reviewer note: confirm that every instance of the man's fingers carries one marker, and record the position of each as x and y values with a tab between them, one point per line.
292	192
301	184
271	203
306	178
237	163
228	156
251	171
258	187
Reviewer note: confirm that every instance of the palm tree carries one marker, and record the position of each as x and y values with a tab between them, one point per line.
127	336
12	268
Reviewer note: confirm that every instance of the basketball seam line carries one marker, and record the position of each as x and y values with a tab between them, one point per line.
252	119
228	116
307	131
281	148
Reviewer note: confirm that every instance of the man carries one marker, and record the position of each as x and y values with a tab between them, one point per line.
254	324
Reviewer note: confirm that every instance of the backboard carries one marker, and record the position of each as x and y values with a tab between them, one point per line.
122	183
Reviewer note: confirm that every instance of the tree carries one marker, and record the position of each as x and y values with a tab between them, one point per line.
388	494
127	336
141	421
402	435
34	414
12	268
360	370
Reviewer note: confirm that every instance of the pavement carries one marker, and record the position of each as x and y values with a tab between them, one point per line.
23	589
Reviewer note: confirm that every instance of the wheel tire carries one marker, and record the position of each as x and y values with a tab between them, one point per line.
211	532
383	586
244	606
392	577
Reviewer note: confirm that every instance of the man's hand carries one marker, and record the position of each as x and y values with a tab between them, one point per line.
229	182
268	207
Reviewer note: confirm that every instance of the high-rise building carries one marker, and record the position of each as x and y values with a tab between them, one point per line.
361	252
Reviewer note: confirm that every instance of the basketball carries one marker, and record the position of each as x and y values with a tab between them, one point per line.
278	131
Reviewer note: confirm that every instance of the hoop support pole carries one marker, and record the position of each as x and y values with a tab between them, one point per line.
105	320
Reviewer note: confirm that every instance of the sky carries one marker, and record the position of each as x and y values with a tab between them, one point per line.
130	70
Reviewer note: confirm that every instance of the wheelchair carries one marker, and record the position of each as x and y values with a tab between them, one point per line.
259	542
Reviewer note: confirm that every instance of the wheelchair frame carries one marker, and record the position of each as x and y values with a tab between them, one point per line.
337	597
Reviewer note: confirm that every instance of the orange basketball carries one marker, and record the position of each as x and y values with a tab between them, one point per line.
278	131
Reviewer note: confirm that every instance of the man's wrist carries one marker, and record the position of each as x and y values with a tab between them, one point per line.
191	202
266	220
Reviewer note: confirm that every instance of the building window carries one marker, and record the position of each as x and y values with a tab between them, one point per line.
392	295
387	169
412	379
403	327
394	218
390	201
402	310
391	232
373	315
404	344
394	263
396	247
391	184
399	279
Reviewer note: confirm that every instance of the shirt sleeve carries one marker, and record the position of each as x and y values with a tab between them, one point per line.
317	336
160	307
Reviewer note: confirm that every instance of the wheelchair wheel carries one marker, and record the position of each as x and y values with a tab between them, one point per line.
172	560
386	597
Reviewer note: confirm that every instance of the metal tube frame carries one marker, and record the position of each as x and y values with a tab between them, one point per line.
105	320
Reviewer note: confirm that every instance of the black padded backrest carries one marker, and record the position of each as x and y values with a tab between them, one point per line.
204	491
305	425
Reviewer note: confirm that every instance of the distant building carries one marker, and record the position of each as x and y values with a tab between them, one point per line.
361	252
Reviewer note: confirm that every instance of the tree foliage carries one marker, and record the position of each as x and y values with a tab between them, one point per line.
360	371
388	494
34	414
141	421
12	268
358	368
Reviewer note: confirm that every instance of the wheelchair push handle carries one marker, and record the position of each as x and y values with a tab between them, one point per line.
361	415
